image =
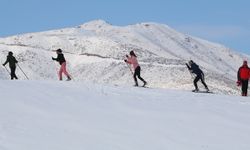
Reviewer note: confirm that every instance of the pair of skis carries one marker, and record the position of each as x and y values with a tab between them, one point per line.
202	91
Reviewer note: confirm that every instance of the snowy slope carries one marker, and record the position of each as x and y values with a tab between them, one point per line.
95	52
51	115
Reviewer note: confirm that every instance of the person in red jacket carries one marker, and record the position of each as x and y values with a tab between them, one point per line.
243	78
137	69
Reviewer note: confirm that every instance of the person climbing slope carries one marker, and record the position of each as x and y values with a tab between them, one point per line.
60	58
12	64
243	78
195	69
132	59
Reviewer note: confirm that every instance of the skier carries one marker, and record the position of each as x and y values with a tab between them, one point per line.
243	78
194	68
12	64
60	58
137	69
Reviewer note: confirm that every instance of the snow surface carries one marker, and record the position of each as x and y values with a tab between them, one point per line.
95	52
53	115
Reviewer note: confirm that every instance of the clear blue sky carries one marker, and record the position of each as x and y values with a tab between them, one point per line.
222	21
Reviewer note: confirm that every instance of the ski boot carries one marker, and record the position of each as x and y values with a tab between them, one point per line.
136	83
68	78
195	90
207	89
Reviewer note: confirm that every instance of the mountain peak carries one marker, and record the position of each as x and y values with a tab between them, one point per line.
95	24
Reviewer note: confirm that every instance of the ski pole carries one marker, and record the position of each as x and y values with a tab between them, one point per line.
7	70
128	66
22	71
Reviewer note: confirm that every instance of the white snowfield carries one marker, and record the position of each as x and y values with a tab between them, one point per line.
95	52
53	115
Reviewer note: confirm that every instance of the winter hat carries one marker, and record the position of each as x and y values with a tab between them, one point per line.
190	62
244	62
59	50
10	53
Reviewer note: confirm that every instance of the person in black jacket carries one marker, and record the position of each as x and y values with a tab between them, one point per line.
12	64
195	69
60	58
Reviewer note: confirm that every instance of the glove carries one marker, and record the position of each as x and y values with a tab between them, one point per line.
238	83
125	60
3	65
53	58
127	56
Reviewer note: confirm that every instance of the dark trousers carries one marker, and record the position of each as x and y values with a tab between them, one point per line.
13	73
200	77
244	87
137	73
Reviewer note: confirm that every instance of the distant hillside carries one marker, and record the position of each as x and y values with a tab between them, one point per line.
95	53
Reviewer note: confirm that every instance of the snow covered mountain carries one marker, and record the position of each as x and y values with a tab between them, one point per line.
95	52
53	115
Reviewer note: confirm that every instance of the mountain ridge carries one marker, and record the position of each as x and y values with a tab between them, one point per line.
162	53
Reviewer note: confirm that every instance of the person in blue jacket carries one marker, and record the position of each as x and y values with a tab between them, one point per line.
195	69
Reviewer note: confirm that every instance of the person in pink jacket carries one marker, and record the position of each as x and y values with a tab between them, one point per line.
137	69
